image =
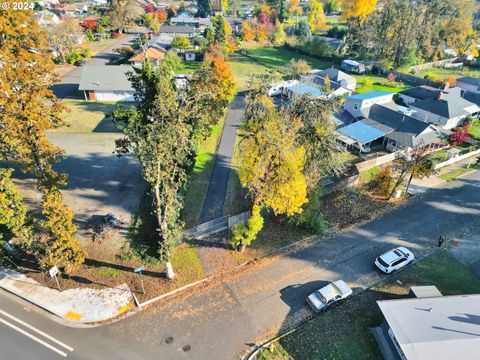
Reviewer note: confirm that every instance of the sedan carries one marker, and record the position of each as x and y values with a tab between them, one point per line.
328	295
394	259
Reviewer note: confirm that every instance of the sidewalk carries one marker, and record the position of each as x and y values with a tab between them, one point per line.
418	186
74	305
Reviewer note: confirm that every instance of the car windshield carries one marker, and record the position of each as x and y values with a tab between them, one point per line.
320	296
337	290
383	263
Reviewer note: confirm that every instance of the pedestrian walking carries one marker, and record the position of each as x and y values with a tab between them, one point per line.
441	240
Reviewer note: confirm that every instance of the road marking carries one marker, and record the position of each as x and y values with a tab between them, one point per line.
58	342
33	337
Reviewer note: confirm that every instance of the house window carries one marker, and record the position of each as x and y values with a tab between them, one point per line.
355	106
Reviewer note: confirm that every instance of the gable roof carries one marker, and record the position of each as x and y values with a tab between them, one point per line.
469	80
180	29
406	130
337	76
151	52
420	93
434	328
449	106
370	95
105	78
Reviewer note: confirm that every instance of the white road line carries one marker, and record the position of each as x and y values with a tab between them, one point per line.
33	337
58	342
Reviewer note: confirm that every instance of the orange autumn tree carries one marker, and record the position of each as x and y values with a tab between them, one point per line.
28	108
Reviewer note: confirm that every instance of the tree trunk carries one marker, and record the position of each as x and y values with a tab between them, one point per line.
242	248
408	183
164	231
169	270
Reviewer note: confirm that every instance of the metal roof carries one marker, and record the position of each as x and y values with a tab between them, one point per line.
370	95
305	89
435	328
361	132
105	78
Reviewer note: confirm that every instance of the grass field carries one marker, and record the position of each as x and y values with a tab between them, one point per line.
200	177
263	59
475	130
86	117
366	83
442	73
343	332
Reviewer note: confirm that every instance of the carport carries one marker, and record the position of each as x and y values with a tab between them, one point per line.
359	133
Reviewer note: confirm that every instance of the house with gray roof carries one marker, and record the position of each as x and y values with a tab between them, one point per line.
359	105
449	109
106	83
469	83
391	128
411	95
430	327
339	77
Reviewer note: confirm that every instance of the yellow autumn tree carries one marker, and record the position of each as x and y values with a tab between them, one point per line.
271	170
247	32
316	16
357	9
28	109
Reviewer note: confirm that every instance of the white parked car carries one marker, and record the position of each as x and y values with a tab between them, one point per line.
394	259
328	295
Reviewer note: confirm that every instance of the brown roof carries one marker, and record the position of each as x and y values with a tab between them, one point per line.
91	17
152	54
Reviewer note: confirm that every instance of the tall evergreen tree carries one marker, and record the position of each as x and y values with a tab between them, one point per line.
204	8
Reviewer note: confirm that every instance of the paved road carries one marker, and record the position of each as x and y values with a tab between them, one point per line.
70	81
218	322
217	189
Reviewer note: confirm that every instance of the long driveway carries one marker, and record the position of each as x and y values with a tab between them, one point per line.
212	207
70	81
218	321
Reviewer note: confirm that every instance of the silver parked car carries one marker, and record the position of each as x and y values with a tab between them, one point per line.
328	295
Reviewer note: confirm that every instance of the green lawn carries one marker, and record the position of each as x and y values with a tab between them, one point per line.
343	332
263	59
369	175
475	130
86	117
442	73
366	83
188	67
452	175
200	177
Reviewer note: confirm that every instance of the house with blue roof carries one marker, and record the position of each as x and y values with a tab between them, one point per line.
359	105
301	89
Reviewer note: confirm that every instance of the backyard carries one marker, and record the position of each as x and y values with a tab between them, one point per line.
349	323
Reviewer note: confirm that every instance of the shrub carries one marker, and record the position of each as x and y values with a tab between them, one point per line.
459	136
124	50
87	53
336	32
74	57
383	182
368	83
311	217
450	80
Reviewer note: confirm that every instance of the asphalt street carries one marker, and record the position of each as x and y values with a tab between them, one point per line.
220	320
69	82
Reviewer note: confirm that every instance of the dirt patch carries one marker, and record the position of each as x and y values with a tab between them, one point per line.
63	69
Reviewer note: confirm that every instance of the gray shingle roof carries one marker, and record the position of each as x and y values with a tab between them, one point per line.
106	78
448	107
168	29
337	76
405	130
470	80
420	93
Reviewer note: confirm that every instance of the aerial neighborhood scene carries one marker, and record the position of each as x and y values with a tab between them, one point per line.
240	179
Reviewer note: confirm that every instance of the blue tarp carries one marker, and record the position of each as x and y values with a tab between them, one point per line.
361	132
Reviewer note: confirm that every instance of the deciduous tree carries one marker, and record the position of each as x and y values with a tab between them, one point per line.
123	12
65	37
316	16
12	207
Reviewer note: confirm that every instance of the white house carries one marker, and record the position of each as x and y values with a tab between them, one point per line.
469	83
449	109
106	83
359	105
